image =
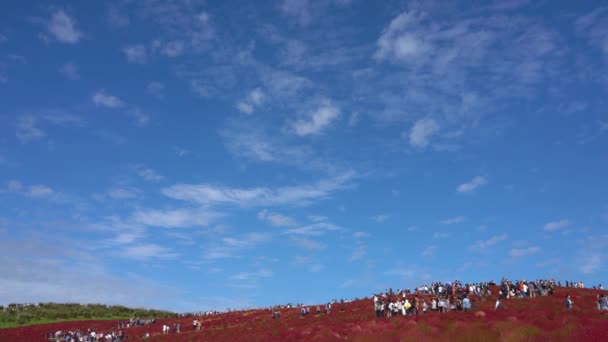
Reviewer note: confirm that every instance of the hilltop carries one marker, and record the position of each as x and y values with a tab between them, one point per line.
15	315
531	319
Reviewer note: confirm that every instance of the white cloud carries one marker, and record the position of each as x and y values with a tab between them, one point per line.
453	220
13	186
39	191
244	107
483	244
556	225
63	28
70	71
315	229
120	193
247	276
148	251
173	49
476	182
101	98
379	218
317	120
254	100
297	8
304	11
149	175
28	126
422	131
307	243
141	118
207	194
32	273
441	235
591	264
156	89
136	53
360	235
399	42
246	139
429	251
35	191
359	252
180	152
116	19
174	218
230	247
248	240
27	129
276	219
519	252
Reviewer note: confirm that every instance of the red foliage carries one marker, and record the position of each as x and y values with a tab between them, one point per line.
542	318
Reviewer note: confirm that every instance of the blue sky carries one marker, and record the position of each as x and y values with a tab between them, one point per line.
201	155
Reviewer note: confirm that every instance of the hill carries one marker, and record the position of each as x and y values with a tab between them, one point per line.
15	315
534	319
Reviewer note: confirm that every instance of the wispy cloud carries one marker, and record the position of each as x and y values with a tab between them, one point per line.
254	100
140	116
429	251
207	194
591	264
232	246
441	235
247	276
358	253
453	220
379	218
33	191
520	252
480	245
136	53
149	174
156	89
148	251
63	28
556	225
360	235
122	193
318	120
174	218
27	129
250	141
70	70
422	131
103	99
276	219
475	183
307	243
315	229
39	191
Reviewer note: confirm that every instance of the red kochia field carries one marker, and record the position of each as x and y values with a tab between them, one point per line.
537	319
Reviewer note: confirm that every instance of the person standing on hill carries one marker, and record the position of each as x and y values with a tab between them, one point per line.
603	302
379	307
466	304
568	302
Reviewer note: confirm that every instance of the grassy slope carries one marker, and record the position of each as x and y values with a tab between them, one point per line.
52	312
539	319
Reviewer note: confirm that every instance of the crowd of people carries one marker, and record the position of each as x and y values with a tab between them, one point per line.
444	297
436	297
110	335
89	336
